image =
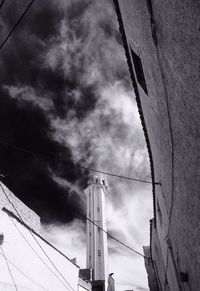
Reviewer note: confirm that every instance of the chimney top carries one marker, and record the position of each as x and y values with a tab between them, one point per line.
96	180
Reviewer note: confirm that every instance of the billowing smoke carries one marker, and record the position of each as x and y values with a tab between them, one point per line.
66	96
66	99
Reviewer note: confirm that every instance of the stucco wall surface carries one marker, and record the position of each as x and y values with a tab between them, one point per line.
29	266
7	198
172	114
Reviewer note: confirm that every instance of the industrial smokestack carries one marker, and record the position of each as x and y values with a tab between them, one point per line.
97	250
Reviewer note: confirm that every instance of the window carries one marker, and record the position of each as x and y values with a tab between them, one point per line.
98	209
139	71
99	253
90	233
159	213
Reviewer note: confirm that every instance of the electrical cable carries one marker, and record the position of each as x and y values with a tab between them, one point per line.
21	272
115	175
111	236
52	262
86	218
78	166
2	2
89	169
37	254
9	270
36	242
16	24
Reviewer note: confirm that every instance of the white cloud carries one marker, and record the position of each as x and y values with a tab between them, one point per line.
69	238
109	138
29	94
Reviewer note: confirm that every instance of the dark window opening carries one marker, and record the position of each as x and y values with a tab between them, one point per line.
99	253
98	209
139	71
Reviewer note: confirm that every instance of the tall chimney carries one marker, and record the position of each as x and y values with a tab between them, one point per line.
97	250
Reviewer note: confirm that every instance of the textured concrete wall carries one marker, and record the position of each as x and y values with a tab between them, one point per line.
156	254
152	279
172	113
27	215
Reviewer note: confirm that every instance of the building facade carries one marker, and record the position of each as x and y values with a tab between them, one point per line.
162	43
27	260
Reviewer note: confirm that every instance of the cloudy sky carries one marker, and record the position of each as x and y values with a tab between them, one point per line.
66	99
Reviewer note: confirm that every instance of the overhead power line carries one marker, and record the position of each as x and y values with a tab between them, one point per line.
86	218
86	168
14	147
111	236
21	272
115	175
69	286
16	24
9	270
2	2
38	254
19	216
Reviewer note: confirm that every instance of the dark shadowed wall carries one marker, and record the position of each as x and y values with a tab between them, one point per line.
163	47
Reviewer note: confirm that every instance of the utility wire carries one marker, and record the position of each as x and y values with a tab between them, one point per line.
16	24
37	254
89	169
86	218
111	236
9	270
18	148
52	262
2	2
37	243
115	175
78	166
21	272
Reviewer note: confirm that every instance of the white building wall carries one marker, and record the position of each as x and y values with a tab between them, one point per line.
29	266
7	198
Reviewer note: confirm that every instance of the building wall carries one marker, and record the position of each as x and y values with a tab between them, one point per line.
28	264
152	276
165	36
7	199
